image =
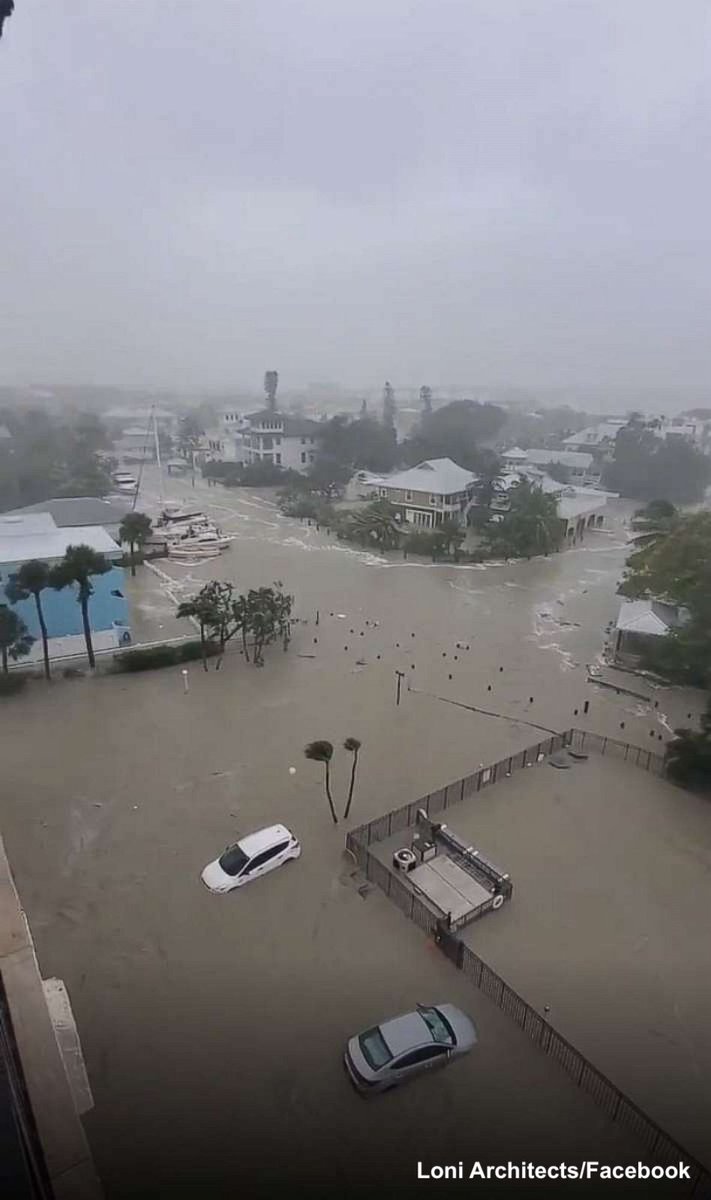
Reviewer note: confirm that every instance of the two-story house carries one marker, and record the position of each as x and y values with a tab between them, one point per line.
434	491
285	441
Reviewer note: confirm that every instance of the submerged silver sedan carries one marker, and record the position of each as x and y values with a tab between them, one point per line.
405	1046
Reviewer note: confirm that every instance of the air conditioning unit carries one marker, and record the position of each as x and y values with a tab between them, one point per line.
404	860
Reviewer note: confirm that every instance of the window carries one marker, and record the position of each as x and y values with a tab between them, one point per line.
408	495
267	443
375	1049
233	860
303	454
277	441
424	1055
433	499
303	441
277	458
383	492
260	859
439	1028
311	457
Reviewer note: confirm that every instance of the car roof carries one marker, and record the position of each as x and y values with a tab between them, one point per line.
405	1033
262	839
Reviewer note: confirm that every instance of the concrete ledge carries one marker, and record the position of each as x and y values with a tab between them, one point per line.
63	1141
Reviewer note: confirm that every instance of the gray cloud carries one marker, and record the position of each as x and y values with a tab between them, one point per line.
476	190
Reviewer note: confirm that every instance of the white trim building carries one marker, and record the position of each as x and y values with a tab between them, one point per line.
434	491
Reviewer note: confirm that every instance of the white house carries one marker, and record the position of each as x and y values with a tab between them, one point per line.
432	492
286	441
581	467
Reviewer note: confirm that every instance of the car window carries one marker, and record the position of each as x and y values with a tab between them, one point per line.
233	860
375	1049
423	1055
439	1028
264	857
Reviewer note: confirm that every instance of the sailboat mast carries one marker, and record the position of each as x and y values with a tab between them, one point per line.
160	466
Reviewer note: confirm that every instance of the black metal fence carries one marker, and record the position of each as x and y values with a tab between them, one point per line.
618	1107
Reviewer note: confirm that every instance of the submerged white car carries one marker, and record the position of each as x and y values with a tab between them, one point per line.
251	857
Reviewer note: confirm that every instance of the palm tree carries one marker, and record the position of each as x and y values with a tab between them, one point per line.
323	752
353	746
376	523
78	566
134	530
31	580
15	639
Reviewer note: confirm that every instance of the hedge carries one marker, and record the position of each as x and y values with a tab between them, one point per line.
150	657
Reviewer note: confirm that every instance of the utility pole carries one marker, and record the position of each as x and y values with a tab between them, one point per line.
400	677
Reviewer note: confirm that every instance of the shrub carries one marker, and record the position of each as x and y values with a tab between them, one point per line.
151	657
10	685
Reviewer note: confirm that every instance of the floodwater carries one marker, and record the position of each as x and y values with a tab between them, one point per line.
519	638
213	1027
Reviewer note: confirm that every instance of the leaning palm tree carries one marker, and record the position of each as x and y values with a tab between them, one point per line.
15	639
134	530
79	565
32	579
353	746
323	752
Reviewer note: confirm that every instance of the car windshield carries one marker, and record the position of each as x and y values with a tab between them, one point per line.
375	1050
232	860
439	1028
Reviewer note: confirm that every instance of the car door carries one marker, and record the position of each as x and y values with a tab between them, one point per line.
425	1058
266	861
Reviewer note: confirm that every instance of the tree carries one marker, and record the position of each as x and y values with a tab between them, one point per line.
646	466
15	638
389	406
486	490
426	399
206	608
457	431
190	431
375	524
271	383
559	472
6	10
352	745
688	757
31	580
363	408
531	526
266	614
323	752
676	566
362	445
654	522
79	565
135	530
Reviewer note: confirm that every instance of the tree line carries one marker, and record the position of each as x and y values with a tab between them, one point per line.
671	561
259	617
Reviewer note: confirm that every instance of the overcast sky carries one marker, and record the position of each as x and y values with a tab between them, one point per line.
435	190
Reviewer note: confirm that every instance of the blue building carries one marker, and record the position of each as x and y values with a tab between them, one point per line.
37	536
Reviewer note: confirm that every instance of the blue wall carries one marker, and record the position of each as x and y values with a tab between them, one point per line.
61	610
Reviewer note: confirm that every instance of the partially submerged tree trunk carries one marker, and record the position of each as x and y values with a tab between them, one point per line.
133	558
43	631
87	631
354	768
329	797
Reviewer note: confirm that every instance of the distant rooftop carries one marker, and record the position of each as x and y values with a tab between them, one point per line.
594	435
291	426
567	458
35	535
77	510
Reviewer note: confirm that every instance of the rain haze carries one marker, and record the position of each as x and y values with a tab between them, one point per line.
480	191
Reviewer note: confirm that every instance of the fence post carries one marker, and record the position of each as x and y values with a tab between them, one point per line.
461	792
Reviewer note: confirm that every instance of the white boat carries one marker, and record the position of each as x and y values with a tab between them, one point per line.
192	553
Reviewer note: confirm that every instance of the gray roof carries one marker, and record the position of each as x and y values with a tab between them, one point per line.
439	475
77	510
567	458
290	426
26	537
652	617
